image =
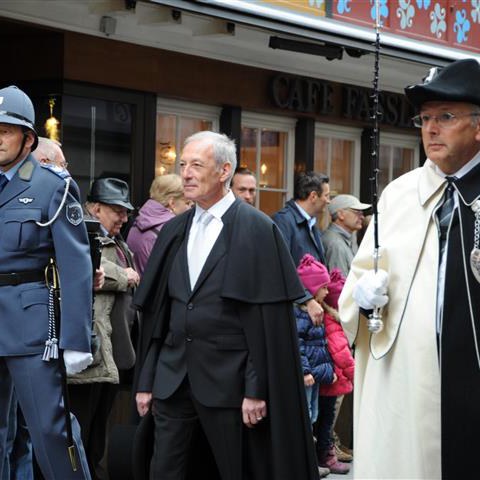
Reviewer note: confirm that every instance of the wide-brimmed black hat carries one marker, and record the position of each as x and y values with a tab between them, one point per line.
112	191
457	82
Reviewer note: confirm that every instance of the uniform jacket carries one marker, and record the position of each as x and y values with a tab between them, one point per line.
34	195
313	348
443	384
144	231
254	250
113	320
343	362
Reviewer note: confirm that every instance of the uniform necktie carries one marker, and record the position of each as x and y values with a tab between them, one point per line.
3	181
444	213
200	248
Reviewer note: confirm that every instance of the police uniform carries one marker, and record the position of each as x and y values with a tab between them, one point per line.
40	219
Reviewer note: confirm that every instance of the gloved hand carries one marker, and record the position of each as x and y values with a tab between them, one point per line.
75	361
370	291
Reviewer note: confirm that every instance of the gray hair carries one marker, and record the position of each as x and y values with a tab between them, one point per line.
476	117
224	149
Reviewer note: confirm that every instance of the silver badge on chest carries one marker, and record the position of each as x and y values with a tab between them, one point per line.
475	253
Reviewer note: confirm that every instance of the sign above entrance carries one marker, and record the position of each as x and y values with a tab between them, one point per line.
320	97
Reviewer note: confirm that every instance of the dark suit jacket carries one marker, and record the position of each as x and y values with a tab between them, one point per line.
259	276
205	337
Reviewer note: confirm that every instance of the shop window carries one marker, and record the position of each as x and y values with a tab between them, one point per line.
267	148
175	122
337	155
97	139
398	155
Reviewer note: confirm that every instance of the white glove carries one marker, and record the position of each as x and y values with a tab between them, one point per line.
75	361
370	291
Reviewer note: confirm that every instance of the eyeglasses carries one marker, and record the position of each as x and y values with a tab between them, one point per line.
444	120
356	212
120	211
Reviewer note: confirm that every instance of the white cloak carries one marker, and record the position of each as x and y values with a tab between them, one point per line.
397	377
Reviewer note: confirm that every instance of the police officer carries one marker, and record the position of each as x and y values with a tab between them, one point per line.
40	221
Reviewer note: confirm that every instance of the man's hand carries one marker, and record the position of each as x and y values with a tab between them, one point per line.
308	380
133	277
99	278
370	291
144	400
315	311
254	411
75	361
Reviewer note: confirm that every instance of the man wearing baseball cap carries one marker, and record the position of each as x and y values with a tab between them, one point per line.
418	380
340	244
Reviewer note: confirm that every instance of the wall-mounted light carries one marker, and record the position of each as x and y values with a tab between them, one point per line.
52	125
263	171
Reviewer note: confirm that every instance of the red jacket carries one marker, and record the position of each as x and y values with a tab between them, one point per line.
343	362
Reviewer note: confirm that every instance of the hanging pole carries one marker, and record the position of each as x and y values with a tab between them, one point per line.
374	322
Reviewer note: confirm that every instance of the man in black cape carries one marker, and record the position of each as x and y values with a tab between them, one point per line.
220	351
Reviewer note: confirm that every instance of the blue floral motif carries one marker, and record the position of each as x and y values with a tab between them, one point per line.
405	13
438	26
383	9
343	6
461	26
425	4
316	3
475	11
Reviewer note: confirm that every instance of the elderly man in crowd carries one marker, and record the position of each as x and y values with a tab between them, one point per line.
93	391
218	349
339	241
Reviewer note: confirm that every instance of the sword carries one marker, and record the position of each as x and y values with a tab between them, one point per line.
53	352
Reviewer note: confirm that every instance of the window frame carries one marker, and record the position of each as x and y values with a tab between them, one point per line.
403	141
179	109
341	132
279	124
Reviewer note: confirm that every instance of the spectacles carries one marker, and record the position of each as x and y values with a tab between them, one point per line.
120	211
356	212
444	120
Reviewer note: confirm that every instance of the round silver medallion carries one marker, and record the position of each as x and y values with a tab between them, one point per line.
475	263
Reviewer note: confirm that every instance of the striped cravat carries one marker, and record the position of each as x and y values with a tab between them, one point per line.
444	213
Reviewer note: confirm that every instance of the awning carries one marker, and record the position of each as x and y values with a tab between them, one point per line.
321	29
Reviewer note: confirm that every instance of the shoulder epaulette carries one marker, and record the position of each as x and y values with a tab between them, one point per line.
59	171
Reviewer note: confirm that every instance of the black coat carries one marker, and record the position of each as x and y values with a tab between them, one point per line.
460	339
261	277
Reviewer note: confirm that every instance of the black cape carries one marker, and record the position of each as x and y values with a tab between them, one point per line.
460	339
261	276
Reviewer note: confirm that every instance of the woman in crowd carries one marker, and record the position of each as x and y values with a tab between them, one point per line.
166	200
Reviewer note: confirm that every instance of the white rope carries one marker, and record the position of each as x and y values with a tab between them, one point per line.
62	203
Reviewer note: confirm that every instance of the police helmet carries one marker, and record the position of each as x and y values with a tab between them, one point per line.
16	108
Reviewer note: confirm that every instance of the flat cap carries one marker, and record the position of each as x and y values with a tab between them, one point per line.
112	191
457	82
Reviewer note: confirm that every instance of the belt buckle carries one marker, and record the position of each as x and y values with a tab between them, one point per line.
15	279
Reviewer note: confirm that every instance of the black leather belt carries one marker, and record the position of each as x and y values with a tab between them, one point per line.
16	278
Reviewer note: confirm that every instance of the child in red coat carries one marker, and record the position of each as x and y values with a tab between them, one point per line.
312	273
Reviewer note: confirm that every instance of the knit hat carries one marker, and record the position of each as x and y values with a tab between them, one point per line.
337	281
313	274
